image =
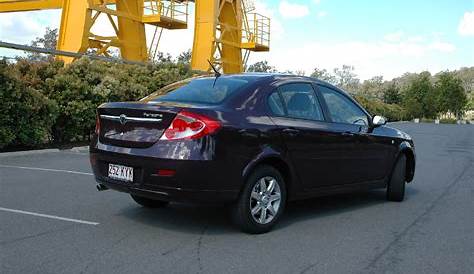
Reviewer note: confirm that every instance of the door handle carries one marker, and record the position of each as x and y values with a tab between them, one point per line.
249	133
291	131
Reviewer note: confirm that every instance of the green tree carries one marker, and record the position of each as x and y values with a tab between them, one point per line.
372	87
419	97
185	57
323	75
391	94
48	41
346	78
450	93
261	66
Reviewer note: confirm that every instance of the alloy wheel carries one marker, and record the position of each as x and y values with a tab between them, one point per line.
265	200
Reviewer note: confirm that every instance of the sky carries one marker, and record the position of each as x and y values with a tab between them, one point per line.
386	38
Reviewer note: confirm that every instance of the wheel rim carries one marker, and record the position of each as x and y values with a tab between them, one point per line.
265	200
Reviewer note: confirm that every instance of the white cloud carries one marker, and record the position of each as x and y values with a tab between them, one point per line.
442	46
291	10
317	2
395	36
466	26
321	14
387	58
22	27
276	26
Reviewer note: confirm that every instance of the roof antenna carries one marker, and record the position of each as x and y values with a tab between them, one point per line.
216	72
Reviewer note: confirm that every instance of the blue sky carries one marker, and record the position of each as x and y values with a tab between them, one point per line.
384	38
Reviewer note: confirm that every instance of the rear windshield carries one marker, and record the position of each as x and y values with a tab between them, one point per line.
208	90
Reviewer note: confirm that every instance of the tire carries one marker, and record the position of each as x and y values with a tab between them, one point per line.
270	203
396	185
145	202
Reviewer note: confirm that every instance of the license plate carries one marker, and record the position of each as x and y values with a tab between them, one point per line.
122	173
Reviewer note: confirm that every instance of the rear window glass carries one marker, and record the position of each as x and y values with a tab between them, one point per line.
207	90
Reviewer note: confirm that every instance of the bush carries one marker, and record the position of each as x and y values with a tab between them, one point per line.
448	121
62	101
27	115
392	112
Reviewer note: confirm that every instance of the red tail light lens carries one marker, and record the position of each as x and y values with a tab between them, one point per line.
97	125
188	125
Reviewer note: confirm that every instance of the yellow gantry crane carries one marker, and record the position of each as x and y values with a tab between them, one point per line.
225	31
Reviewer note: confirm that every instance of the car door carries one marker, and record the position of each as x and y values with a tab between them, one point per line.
366	161
313	150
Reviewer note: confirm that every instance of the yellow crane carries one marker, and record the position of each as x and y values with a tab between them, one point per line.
225	31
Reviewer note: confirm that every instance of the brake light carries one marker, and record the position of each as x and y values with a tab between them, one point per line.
188	125
97	124
166	172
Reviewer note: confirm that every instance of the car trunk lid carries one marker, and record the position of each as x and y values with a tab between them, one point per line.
130	124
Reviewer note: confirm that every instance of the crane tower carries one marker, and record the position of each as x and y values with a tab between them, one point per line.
225	31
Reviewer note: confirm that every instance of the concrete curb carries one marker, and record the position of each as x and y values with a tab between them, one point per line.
28	152
83	149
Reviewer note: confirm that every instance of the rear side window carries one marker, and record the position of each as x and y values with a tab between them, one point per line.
342	109
276	105
207	90
301	101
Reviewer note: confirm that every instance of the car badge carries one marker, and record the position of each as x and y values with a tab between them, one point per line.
153	115
123	119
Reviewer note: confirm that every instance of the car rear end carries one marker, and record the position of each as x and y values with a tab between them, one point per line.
165	150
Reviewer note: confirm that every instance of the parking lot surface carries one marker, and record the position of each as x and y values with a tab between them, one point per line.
52	220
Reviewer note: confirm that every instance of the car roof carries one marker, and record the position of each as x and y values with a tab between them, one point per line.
285	76
277	76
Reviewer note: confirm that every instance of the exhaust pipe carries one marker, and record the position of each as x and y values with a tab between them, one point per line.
101	187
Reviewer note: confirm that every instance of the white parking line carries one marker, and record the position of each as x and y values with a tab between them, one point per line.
47	169
47	216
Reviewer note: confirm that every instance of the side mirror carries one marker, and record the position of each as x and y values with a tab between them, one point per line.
378	121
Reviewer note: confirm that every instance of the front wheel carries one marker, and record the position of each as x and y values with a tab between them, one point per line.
261	202
145	202
396	185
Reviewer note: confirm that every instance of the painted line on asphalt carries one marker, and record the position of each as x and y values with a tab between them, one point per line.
48	169
47	216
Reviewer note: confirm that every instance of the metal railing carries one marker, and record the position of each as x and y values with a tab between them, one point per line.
257	30
172	9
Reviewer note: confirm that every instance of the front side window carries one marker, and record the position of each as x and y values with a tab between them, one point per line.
301	101
342	109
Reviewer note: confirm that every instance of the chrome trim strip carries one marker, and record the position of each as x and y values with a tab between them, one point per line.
134	119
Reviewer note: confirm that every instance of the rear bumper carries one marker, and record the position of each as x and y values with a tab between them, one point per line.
173	194
195	181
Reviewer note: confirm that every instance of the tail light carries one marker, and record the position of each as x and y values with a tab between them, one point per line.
188	125
97	125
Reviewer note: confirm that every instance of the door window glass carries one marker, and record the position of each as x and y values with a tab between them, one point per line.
301	101
342	109
276	106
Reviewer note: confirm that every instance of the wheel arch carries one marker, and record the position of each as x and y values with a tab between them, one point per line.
407	149
277	162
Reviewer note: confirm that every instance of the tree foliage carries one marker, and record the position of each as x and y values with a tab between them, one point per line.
44	102
391	94
48	41
261	66
451	96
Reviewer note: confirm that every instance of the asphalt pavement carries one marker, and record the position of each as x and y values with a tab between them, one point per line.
52	220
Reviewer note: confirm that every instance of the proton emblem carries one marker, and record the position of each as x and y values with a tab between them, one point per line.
123	119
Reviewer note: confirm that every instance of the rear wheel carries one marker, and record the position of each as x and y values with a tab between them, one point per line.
261	202
150	203
396	185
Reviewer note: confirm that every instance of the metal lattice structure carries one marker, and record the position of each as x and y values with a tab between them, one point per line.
225	31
